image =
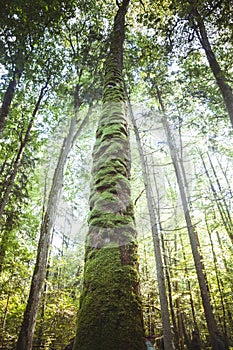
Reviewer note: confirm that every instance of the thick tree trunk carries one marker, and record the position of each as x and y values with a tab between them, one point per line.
167	334
219	75
110	314
26	334
210	319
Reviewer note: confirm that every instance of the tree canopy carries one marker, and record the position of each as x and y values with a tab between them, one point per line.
177	88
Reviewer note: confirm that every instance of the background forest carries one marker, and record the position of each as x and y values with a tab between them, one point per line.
177	73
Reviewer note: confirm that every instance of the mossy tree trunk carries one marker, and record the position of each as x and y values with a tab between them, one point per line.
110	314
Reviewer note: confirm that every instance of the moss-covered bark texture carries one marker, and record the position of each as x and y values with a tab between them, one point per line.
110	315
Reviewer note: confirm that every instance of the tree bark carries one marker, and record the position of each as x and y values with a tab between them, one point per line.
167	334
222	195
168	275
7	237
7	99
26	334
218	73
220	282
40	341
189	284
210	319
17	162
110	315
221	204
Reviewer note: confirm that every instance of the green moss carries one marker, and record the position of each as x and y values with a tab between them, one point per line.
116	163
116	181
106	197
101	219
114	85
108	203
109	304
111	148
113	112
112	130
112	167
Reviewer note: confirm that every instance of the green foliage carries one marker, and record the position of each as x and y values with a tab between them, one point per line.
68	41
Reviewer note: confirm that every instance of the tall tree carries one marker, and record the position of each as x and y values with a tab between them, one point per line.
26	334
193	19
110	314
23	26
198	23
167	333
210	319
15	168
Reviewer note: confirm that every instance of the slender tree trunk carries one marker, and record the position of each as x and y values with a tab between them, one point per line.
3	166
179	329
165	260
225	205
157	249
7	236
221	204
229	280
224	258
220	283
40	341
26	334
110	315
186	335
180	323
7	99
170	294
189	285
218	73
211	322
6	312
148	314
224	172
153	312
10	181
145	277
41	328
